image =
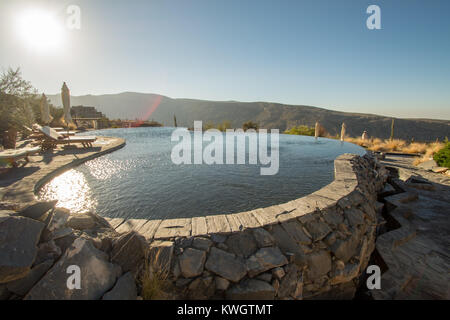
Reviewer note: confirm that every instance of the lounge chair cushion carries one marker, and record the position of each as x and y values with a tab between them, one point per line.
51	133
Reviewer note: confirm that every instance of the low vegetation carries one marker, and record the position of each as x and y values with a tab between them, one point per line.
442	157
19	107
250	125
154	276
426	151
308	131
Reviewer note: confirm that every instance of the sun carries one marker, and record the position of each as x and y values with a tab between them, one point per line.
40	30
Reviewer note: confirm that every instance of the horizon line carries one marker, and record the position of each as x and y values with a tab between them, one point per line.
254	101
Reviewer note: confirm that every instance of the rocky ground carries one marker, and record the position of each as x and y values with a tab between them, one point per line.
319	254
416	239
39	243
314	247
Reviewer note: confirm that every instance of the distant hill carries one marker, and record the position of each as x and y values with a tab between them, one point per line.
131	105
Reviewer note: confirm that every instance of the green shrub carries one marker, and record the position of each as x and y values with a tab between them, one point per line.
250	125
442	157
301	130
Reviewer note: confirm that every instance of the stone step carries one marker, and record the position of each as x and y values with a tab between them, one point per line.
171	228
131	225
397	200
115	222
418	182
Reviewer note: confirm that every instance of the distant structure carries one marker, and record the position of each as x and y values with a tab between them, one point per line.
316	130
175	121
392	129
138	123
365	136
86	112
87	116
343	131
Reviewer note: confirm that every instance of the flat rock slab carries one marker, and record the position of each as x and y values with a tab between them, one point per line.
263	238
226	265
131	225
290	281
173	228
22	286
97	275
81	222
128	250
296	231
19	237
192	262
319	264
428	165
115	222
251	289
148	230
199	227
345	249
202	243
265	259
124	289
161	254
242	244
439	169
37	210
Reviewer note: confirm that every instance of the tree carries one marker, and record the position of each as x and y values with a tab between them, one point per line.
301	130
224	125
17	101
12	83
250	125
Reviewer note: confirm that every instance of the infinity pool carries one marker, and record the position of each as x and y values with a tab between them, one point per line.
141	180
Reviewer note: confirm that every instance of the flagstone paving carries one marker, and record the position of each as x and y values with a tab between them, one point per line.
22	182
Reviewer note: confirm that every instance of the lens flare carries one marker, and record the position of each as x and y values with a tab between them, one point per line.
40	30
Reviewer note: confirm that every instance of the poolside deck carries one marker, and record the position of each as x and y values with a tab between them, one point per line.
18	185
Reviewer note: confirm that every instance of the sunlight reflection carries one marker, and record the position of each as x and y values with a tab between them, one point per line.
71	190
103	169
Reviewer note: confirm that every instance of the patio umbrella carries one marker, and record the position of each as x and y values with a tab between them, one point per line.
316	131
45	111
65	96
343	131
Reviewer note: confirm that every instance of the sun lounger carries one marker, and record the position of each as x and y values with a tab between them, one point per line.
61	131
53	138
33	134
13	155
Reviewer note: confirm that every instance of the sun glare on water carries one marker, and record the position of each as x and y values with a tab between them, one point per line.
71	190
40	30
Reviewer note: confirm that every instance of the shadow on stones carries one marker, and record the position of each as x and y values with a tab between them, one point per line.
15	174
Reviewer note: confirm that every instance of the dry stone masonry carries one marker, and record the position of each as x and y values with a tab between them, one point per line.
314	247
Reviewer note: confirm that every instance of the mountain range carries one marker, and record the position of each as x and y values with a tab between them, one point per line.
146	106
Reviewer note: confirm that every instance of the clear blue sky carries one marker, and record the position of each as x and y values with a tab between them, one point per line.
316	53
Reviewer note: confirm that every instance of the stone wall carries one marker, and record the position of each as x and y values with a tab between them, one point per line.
313	247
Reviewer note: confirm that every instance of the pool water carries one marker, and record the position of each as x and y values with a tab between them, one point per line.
141	181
